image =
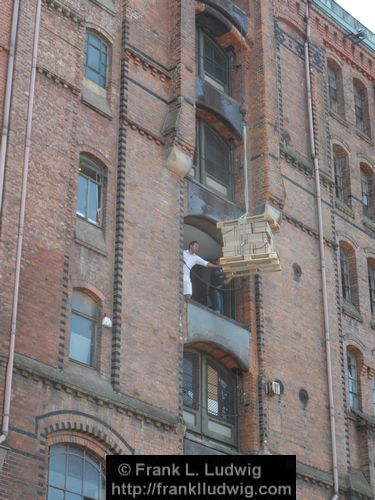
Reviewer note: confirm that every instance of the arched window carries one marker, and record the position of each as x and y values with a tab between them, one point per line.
349	281
353	380
90	191
362	120
213	160
342	177
96	59
209	395
83	328
213	62
366	191
74	474
335	88
371	283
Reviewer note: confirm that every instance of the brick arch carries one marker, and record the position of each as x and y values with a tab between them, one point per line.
86	286
347	240
95	28
333	60
366	160
93	154
290	24
339	144
81	429
217	351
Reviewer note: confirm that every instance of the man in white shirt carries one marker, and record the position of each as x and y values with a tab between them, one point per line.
190	260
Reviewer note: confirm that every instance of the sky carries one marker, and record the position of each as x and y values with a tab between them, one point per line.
363	10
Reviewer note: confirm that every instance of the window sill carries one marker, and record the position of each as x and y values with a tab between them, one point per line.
106	5
90	236
96	102
338	118
351	311
370	224
211	190
343	207
364	136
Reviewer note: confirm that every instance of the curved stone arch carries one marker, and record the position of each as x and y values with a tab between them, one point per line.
74	424
87	286
347	239
221	351
332	57
365	159
94	154
93	27
338	141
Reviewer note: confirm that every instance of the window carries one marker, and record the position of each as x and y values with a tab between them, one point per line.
213	160
371	284
366	191
213	63
90	189
349	281
362	120
74	474
353	381
332	89
373	396
96	59
335	88
342	180
358	104
209	395
345	276
83	328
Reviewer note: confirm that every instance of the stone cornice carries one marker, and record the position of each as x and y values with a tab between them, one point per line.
64	10
142	131
306	229
303	166
152	67
100	393
58	80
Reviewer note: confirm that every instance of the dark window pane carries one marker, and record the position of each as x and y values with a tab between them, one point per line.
190	381
217	157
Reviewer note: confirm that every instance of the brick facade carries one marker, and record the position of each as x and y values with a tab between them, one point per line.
130	400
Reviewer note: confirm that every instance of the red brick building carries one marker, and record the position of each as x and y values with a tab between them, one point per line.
127	130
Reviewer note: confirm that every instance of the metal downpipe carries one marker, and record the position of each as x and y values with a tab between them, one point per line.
8	98
322	258
9	372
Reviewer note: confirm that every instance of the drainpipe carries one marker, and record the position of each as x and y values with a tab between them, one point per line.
9	373
8	96
322	257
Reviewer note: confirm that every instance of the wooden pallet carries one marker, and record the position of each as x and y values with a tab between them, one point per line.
251	264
